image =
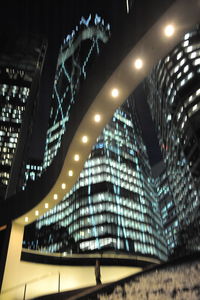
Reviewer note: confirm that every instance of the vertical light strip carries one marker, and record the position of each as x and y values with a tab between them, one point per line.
127	6
92	211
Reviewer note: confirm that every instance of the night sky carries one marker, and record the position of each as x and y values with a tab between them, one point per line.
54	20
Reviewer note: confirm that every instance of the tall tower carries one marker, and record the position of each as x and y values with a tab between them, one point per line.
113	205
174	99
79	49
21	60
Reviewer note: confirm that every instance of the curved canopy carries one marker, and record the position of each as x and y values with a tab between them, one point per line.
134	49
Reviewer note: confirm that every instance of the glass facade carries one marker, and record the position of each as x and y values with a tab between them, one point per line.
77	52
174	100
113	205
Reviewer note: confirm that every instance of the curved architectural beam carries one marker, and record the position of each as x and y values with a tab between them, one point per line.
154	45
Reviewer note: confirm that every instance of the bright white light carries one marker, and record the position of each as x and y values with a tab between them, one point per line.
127	6
169	30
76	157
55	196
138	63
37	213
115	93
46	205
26	219
70	173
84	139
97	118
63	186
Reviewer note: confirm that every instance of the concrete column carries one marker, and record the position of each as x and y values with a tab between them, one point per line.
11	253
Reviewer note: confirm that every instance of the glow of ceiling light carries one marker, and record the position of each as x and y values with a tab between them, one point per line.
138	63
46	205
169	30
85	139
76	157
55	196
70	173
37	213
115	93
26	219
63	186
97	118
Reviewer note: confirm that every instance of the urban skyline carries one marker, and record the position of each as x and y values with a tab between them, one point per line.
86	20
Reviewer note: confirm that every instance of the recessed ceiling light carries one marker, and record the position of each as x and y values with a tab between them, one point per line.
97	118
55	196
76	157
115	93
63	186
138	63
46	205
169	30
85	139
26	219
70	173
37	212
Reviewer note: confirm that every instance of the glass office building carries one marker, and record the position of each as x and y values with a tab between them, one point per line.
77	52
20	58
113	205
174	100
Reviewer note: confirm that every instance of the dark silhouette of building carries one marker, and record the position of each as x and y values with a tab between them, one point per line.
166	206
21	62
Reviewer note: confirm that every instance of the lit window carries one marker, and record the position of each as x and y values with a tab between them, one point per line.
197	61
193	54
186	43
194	107
179	55
198	92
186	68
189	49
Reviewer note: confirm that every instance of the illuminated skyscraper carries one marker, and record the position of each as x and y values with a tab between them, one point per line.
113	205
174	99
78	50
21	61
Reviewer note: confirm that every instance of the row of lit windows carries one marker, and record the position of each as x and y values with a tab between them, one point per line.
7	145
6	162
4	175
98	219
13	90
